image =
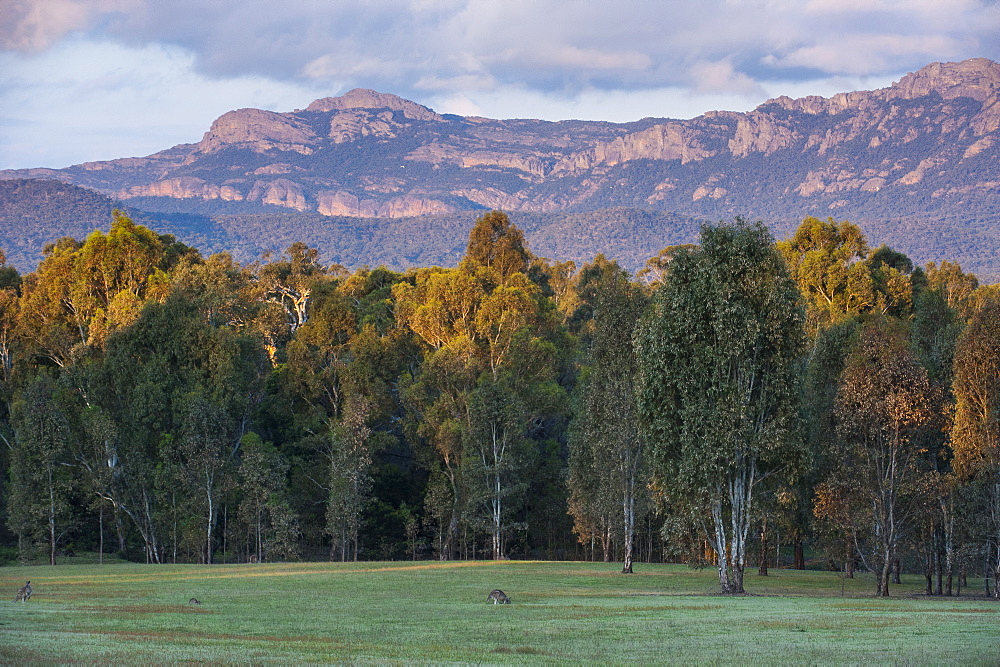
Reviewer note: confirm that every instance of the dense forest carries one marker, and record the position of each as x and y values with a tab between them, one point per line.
734	401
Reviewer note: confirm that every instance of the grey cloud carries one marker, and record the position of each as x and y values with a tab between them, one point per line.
546	45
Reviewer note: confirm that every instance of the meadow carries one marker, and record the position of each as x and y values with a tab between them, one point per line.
414	612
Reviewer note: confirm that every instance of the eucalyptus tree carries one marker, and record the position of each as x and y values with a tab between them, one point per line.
349	452
487	328
42	483
824	257
261	480
606	460
177	388
655	269
10	284
884	403
940	310
205	446
496	244
83	292
828	494
840	276
290	280
975	436
717	382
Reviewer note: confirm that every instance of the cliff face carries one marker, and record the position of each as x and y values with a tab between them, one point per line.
926	145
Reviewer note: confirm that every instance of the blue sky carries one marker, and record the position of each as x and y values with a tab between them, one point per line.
84	80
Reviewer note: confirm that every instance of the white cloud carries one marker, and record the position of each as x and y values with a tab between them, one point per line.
32	26
721	77
543	58
87	101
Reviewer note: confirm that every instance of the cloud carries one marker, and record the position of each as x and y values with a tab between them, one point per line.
553	45
552	57
85	101
720	77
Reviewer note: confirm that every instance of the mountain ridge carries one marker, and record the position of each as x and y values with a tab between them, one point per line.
923	152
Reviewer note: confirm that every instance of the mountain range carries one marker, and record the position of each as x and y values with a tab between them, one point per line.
372	178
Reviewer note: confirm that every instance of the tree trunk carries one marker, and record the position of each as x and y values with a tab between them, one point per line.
800	557
736	580
762	569
628	507
848	558
211	523
885	572
497	499
120	534
52	521
720	546
986	569
948	526
448	546
936	563
896	568
929	572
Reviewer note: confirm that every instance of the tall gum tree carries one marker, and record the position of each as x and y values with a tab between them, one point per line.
606	466
975	436
469	396
884	403
716	379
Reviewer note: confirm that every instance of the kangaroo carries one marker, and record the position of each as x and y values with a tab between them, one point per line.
24	592
194	601
252	559
498	597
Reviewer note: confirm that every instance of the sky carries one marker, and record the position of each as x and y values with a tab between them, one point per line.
87	80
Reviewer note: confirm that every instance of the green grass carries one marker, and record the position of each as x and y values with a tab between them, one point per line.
437	612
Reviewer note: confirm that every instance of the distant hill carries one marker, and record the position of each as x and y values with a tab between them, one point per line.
916	164
36	212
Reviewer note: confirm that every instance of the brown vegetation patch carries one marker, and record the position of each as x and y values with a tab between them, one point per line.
522	650
221	636
147	609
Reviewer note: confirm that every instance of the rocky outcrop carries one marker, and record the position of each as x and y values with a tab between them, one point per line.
276	168
529	164
259	130
492	198
977	78
280	192
350	125
758	132
362	98
670	141
342	203
184	187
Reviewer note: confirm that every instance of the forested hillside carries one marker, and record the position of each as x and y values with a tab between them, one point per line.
740	395
36	212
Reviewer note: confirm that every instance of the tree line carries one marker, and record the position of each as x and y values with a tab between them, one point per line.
734	397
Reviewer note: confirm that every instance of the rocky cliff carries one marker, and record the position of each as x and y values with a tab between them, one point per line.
925	147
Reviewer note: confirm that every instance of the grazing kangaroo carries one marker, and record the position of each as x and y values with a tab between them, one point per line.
24	592
194	601
498	597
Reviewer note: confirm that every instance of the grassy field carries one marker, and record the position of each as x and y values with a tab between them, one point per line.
437	612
